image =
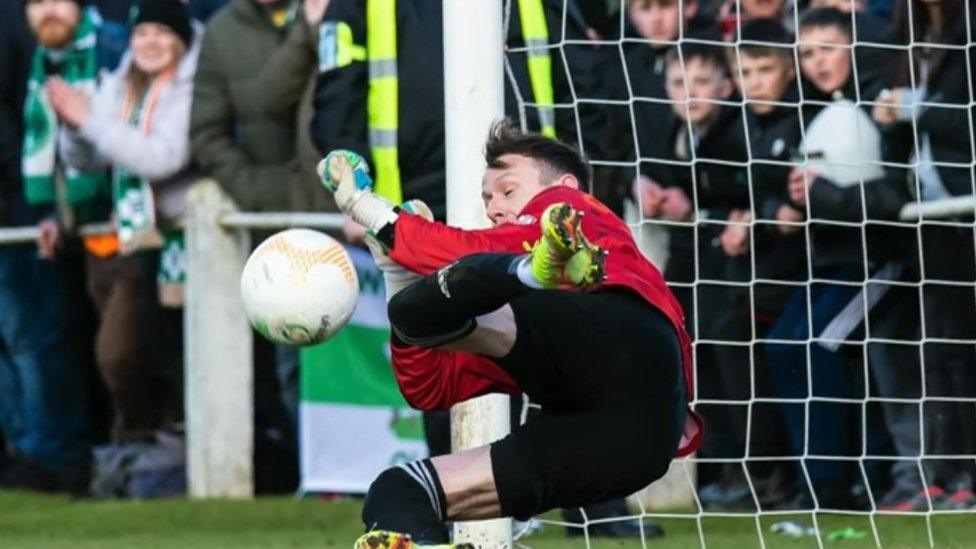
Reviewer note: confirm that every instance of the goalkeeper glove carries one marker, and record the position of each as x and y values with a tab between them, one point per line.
346	174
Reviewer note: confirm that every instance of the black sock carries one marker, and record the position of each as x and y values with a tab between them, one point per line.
408	499
441	308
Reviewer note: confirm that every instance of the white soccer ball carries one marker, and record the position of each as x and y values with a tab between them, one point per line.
299	287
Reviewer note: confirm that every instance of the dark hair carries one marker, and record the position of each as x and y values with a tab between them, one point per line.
554	158
827	17
776	39
716	56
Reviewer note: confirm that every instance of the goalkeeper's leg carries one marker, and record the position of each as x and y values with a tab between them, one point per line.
461	304
607	369
464	306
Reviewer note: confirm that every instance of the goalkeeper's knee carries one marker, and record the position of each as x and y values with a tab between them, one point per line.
420	315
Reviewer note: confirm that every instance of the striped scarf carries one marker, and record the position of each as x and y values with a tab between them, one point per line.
79	67
135	210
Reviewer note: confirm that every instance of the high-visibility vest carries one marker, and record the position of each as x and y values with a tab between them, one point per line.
382	108
383	101
535	32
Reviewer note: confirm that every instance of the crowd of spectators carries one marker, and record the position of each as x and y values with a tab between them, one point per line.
775	141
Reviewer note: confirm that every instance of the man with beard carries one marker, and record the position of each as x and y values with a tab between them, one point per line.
43	408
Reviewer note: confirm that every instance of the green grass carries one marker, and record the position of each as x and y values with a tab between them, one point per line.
33	521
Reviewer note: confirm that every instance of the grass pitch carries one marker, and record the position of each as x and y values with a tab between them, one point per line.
33	521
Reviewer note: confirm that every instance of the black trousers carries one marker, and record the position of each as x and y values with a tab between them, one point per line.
605	366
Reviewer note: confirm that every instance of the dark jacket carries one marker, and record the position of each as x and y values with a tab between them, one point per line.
774	138
714	186
836	246
253	153
642	81
340	120
16	47
948	127
872	61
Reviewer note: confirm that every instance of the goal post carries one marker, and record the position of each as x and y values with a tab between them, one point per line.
473	100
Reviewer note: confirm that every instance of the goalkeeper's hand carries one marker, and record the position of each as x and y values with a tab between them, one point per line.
395	275
346	174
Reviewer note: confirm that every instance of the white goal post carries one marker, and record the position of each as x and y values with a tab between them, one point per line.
473	99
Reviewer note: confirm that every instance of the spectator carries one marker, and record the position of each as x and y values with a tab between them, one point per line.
251	152
849	147
43	373
933	87
837	123
660	22
711	137
868	33
249	139
766	79
699	129
836	255
283	81
137	125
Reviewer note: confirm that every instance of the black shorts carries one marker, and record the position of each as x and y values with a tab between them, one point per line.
606	367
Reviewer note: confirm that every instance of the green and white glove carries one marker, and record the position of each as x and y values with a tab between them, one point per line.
346	174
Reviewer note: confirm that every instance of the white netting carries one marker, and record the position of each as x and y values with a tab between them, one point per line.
873	417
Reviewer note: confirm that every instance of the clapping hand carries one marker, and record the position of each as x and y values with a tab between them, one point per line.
72	106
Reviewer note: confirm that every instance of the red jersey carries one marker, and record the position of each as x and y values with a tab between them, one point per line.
433	379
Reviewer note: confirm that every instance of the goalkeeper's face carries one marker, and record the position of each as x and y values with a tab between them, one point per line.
508	188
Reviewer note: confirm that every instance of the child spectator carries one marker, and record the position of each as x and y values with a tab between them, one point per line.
766	79
707	133
660	23
849	146
700	131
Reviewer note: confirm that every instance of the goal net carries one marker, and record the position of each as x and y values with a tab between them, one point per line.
801	172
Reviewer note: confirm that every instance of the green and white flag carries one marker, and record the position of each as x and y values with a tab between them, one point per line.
354	422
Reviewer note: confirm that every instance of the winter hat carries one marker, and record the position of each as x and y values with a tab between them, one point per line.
171	13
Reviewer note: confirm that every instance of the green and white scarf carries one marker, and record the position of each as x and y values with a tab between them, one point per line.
135	209
78	67
171	276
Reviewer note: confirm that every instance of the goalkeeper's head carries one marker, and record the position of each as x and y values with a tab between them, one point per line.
521	165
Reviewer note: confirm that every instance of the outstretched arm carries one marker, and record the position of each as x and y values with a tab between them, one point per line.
425	246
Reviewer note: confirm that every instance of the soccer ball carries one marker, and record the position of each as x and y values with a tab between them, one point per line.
299	287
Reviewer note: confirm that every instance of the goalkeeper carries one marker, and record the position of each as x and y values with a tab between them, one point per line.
582	323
